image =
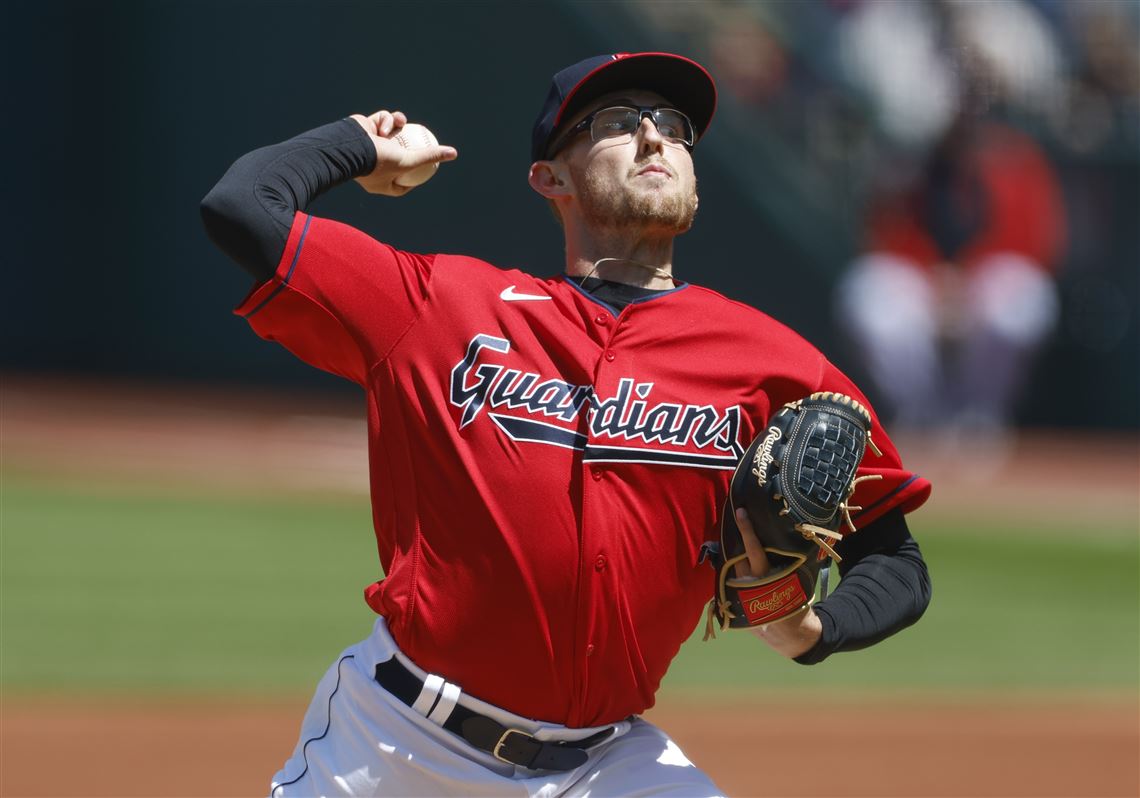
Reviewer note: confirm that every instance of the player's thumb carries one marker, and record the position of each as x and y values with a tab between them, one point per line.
757	561
438	153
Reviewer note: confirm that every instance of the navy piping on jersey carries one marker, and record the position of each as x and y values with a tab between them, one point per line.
288	274
614	311
321	736
894	492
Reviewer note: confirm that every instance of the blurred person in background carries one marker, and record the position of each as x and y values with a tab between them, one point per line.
954	293
892	106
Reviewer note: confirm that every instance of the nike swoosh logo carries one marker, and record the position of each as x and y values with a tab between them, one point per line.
510	295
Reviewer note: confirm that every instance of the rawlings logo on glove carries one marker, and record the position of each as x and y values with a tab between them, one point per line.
794	483
763	459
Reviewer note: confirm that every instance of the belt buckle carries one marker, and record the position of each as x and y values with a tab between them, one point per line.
503	741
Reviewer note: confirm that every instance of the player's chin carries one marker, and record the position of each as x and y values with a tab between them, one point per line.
652	196
673	211
675	220
665	192
654	183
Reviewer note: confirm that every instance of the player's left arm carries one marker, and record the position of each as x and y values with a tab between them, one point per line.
885	588
885	583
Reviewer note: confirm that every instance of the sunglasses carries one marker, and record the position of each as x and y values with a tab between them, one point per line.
624	120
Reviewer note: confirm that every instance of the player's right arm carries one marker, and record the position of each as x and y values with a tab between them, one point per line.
250	211
334	296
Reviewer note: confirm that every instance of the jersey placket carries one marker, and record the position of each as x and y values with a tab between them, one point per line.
596	573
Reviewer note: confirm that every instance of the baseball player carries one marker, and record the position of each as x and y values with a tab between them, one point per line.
547	456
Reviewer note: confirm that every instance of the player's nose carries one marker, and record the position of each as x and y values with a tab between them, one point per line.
649	137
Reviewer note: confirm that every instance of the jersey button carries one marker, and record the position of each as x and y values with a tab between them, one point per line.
610	357
596	473
600	563
589	649
602	319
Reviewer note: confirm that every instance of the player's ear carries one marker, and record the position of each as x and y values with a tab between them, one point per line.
551	179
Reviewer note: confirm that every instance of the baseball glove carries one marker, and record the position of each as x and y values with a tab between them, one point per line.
794	481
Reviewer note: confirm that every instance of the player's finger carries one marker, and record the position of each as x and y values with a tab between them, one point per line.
397	120
757	558
383	120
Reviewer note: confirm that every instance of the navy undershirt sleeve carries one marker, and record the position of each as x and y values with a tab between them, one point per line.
885	588
249	212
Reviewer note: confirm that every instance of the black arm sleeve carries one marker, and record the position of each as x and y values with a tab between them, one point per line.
249	212
885	588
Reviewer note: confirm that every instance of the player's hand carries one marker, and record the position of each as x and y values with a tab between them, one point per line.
757	563
392	160
790	636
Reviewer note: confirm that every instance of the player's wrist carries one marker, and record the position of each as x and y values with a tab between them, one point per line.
365	123
792	635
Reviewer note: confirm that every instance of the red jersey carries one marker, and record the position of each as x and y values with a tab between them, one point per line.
544	469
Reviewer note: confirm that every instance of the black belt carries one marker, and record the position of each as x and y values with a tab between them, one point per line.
507	744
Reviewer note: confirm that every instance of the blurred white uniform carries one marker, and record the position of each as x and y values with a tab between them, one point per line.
948	343
955	292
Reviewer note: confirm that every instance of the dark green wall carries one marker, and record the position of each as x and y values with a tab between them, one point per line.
120	117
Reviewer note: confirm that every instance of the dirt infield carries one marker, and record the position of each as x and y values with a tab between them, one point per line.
52	748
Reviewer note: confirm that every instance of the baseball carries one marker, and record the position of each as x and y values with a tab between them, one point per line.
414	137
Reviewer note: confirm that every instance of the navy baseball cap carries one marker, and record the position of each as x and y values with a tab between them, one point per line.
682	81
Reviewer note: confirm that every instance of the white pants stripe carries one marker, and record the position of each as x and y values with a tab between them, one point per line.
432	685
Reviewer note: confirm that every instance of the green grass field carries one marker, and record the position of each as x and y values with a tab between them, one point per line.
102	590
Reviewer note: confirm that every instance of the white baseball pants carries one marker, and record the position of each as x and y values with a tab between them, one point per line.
359	740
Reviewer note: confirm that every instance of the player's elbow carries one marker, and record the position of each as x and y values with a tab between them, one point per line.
233	228
216	210
920	591
221	212
912	577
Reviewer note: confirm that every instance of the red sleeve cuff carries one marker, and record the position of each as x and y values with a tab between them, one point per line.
911	494
264	292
